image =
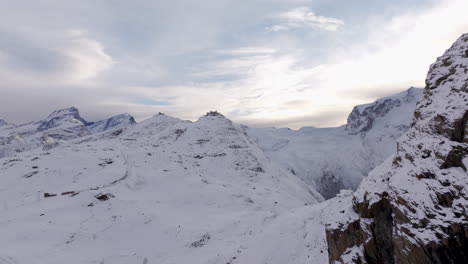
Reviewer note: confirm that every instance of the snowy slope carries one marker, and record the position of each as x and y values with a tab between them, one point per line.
178	192
60	125
331	159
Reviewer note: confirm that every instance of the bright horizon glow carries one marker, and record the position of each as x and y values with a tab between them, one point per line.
286	64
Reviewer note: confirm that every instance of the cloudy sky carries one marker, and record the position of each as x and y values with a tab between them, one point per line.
261	62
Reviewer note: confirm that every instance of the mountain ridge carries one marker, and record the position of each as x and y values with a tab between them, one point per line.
60	125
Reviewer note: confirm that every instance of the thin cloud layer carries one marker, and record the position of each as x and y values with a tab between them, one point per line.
304	17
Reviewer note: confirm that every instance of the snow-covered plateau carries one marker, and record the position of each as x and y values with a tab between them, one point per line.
170	191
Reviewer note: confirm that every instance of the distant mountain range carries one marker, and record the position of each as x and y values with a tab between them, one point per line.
60	125
329	159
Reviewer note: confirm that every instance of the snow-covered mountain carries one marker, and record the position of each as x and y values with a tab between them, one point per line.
414	207
162	191
332	159
60	125
116	122
172	191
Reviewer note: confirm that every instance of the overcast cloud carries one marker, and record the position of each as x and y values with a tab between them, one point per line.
277	62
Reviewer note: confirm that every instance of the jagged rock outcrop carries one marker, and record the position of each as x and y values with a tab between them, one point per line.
414	207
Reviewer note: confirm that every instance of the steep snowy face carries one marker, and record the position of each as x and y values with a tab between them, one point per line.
332	159
164	190
115	122
363	117
414	207
65	118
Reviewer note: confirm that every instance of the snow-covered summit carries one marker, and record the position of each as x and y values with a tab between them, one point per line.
65	112
65	118
215	118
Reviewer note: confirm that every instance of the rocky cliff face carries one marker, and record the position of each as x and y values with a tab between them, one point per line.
414	207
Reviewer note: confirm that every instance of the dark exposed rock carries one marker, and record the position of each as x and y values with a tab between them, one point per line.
104	197
455	158
117	132
426	175
339	241
106	162
258	169
201	242
32	173
68	192
460	131
445	199
213	113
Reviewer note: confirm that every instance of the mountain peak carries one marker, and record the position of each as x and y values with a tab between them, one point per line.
70	116
362	117
71	111
3	122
